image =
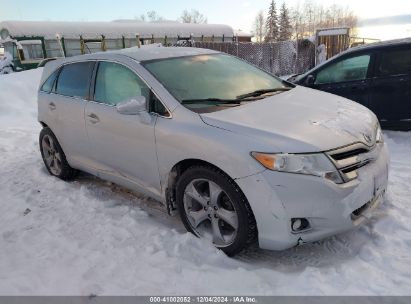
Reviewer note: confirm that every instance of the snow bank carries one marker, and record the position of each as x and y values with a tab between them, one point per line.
18	99
92	237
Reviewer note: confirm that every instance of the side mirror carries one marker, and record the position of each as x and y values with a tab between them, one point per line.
132	106
135	106
309	81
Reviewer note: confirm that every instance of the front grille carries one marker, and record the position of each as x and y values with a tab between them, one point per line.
351	158
347	154
354	167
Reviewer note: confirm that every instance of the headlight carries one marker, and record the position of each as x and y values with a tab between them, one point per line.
317	164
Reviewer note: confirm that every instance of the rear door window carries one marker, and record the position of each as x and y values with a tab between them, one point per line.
350	69
74	79
395	62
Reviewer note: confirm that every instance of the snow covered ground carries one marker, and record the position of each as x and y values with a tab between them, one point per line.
91	237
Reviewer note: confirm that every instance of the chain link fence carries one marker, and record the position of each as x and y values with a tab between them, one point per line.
279	58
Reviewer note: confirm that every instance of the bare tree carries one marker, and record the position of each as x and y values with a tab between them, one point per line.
310	16
192	16
151	16
310	13
259	29
297	21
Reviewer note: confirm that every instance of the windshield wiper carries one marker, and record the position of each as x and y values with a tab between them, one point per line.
263	91
216	100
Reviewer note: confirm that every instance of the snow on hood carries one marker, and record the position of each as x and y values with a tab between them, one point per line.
298	121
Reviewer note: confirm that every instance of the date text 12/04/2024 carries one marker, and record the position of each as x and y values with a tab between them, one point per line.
203	299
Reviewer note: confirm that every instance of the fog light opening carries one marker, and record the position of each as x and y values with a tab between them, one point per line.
299	224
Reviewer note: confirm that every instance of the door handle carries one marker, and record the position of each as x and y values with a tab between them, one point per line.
52	106
93	118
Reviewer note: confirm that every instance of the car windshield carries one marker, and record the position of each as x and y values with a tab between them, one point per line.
214	80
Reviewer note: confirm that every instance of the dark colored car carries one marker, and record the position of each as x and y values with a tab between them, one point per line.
376	75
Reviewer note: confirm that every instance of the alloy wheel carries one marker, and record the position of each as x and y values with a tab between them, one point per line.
210	212
51	155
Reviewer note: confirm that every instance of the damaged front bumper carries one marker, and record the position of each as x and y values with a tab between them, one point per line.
278	199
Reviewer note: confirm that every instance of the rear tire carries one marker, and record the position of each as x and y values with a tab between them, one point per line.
53	156
212	206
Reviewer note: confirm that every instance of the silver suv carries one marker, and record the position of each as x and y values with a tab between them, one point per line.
242	155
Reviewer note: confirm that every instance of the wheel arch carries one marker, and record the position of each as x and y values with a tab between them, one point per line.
177	170
171	193
43	124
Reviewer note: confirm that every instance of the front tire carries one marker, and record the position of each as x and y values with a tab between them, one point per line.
213	207
53	156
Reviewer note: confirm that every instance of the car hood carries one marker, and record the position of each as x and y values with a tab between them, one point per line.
298	121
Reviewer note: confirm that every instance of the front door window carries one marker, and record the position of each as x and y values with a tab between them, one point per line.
350	69
116	83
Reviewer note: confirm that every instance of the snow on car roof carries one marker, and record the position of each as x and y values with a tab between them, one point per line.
144	53
379	44
49	29
364	47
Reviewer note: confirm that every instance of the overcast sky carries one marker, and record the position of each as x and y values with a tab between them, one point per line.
237	13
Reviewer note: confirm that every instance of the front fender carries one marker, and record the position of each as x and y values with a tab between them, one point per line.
186	136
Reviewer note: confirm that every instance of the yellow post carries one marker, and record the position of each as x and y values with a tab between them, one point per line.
138	40
103	43
82	45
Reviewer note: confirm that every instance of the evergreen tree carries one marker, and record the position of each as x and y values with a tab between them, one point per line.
271	25
285	27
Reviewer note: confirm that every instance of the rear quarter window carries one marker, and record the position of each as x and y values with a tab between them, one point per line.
74	79
48	85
